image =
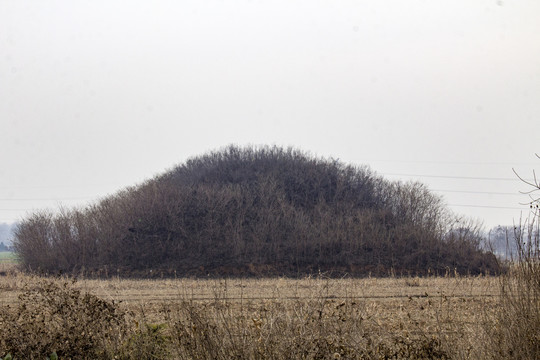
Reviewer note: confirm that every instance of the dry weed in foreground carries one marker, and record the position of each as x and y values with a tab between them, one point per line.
313	318
312	329
51	317
515	331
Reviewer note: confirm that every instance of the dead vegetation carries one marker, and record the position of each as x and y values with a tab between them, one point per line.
515	332
310	318
259	212
448	317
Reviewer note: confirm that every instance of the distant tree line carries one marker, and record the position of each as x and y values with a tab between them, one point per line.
505	241
6	233
256	211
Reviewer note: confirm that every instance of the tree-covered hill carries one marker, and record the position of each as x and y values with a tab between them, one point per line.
256	211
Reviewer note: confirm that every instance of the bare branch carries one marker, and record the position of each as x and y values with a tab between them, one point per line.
533	184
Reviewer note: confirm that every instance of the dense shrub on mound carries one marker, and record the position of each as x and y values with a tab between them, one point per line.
256	211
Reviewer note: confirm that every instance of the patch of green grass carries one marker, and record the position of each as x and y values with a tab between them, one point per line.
8	257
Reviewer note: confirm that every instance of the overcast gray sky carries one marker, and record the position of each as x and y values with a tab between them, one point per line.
99	95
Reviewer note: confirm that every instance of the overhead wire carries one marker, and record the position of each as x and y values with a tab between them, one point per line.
385	174
489	206
452	177
509	163
47	199
478	192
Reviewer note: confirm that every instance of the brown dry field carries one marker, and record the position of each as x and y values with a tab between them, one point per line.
452	309
431	301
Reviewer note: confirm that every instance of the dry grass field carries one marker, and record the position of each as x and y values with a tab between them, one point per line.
312	318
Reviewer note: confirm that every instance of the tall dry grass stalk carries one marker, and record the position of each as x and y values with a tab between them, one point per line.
515	334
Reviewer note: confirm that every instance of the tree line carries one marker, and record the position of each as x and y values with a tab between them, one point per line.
256	211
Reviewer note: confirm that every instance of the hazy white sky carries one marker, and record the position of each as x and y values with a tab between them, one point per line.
99	95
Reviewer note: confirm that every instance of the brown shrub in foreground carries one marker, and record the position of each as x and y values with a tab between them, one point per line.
515	334
52	317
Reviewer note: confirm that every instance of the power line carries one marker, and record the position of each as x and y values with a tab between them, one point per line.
478	192
488	206
461	205
93	197
453	177
70	186
25	209
44	199
509	163
17	209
